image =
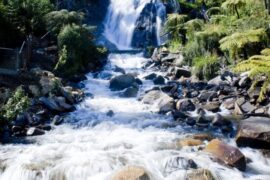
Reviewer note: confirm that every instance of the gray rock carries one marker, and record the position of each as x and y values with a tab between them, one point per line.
244	82
181	72
170	57
119	69
130	92
164	102
159	80
110	113
51	104
185	105
200	174
57	120
34	90
35	132
61	101
212	106
207	95
179	163
122	82
220	121
150	76
247	107
254	132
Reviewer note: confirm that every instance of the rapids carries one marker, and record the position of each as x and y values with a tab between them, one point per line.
92	146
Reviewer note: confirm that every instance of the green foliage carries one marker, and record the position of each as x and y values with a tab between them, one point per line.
175	24
206	66
234	5
259	69
17	104
77	51
237	41
28	15
174	46
56	20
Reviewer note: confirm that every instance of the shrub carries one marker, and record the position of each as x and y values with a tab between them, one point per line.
77	51
56	20
17	104
206	66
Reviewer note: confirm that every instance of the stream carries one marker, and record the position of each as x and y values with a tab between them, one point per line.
91	145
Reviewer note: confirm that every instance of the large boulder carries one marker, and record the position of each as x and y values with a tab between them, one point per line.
156	97
130	92
122	82
181	72
254	132
131	173
227	154
185	105
49	83
200	174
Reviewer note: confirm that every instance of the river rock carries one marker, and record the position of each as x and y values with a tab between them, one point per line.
220	121
61	101
207	95
247	107
164	102
200	174
170	57
33	131
119	69
181	72
227	154
130	92
49	83
57	120
185	105
254	132
211	106
159	80
190	142
244	82
229	103
179	163
150	76
202	137
122	82
51	104
131	173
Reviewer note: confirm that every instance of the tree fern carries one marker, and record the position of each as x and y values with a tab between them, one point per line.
259	69
237	41
234	5
174	24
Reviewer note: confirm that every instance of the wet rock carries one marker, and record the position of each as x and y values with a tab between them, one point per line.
138	81
229	103
185	105
130	92
159	80
35	132
150	76
217	81
207	95
131	173
57	120
190	142
21	120
200	174
51	104
254	132
110	113
181	72
227	154
237	109
49	83
202	137
244	82
170	57
211	106
179	163
179	115
247	107
34	90
220	121
193	94
61	101
122	82
191	121
119	69
164	102
73	96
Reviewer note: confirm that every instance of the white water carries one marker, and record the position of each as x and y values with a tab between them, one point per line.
93	146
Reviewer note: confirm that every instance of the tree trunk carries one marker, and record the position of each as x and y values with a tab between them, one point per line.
236	10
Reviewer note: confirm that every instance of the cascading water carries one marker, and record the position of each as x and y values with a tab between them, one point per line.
91	145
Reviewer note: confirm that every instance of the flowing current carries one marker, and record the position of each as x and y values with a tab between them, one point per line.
93	146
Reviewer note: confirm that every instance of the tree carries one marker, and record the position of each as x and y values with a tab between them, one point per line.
234	5
28	15
56	20
237	41
259	69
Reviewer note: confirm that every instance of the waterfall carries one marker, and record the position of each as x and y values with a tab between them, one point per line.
122	19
